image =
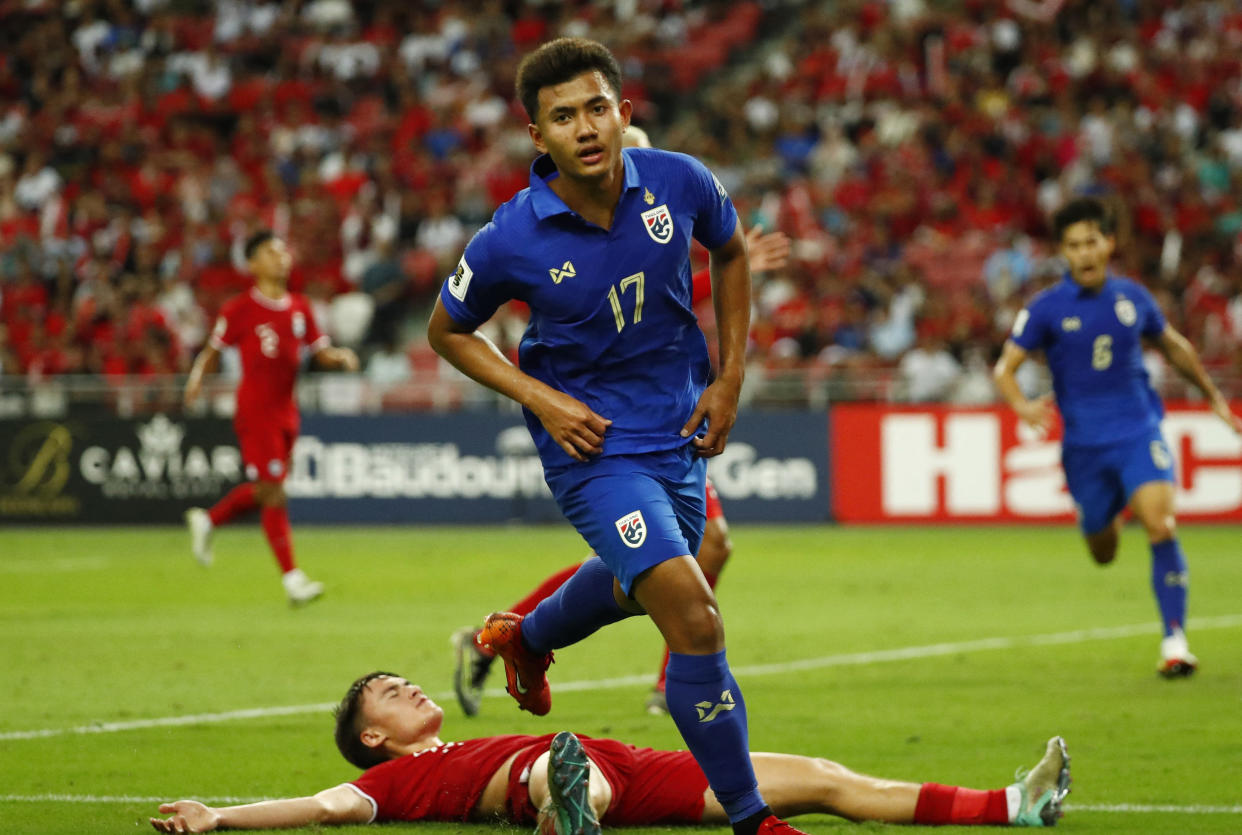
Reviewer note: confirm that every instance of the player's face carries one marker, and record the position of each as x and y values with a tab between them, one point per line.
580	124
271	260
401	711
1087	249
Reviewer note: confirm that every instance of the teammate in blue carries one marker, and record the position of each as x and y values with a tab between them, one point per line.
613	377
1092	328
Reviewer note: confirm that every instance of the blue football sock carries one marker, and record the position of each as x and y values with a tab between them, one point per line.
580	606
706	704
1169	581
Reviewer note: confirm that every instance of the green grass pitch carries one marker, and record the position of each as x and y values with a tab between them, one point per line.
1016	636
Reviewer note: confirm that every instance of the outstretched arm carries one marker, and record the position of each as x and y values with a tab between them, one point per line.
339	804
570	422
1183	356
335	359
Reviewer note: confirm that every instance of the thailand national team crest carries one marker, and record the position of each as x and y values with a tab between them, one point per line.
659	223
1126	313
633	529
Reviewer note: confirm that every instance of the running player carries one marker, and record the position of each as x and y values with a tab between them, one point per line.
614	383
570	784
1092	328
473	663
269	326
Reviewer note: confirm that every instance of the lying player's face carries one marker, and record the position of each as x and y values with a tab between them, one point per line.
400	710
1087	249
271	260
579	124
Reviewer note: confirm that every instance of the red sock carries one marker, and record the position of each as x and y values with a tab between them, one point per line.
276	525
939	804
528	603
660	682
237	501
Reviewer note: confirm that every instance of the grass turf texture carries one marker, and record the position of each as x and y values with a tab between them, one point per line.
116	625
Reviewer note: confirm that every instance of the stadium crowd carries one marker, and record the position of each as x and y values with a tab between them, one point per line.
913	150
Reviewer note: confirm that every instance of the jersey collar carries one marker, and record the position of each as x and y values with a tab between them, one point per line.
546	202
1081	291
271	304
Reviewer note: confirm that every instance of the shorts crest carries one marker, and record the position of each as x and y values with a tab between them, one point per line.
633	529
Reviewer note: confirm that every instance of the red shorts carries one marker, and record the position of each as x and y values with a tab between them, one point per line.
714	510
265	450
649	788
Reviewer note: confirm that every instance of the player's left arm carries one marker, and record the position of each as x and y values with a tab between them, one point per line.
335	359
1183	356
731	299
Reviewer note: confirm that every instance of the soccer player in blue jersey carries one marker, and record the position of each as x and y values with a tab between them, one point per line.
613	378
1092	328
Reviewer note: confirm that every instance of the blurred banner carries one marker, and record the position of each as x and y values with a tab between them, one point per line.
104	470
938	463
482	467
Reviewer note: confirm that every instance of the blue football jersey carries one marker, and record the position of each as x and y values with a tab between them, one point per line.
1093	344
611	321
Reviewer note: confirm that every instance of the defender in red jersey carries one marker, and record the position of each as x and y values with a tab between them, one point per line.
390	727
269	327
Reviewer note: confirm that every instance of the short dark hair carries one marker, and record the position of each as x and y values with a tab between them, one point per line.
561	60
1081	209
349	725
257	240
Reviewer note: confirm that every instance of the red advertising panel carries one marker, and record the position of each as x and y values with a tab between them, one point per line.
940	463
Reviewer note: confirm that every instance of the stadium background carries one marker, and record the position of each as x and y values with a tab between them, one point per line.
911	149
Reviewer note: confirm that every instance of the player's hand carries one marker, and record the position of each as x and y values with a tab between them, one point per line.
347	360
186	816
718	406
1221	407
1037	413
572	424
766	252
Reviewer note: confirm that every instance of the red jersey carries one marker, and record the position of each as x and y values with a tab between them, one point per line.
269	335
445	783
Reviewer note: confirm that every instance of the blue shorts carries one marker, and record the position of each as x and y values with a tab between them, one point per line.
1101	479
636	511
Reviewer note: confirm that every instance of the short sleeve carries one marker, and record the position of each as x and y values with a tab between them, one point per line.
1030	328
228	328
477	287
715	218
1151	316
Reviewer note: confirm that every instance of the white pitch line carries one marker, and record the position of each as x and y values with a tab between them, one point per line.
1127	808
849	659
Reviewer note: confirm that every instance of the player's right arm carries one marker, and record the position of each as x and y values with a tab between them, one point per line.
207	361
1035	413
339	804
571	423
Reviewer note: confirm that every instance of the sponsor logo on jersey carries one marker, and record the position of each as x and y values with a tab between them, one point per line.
459	282
299	324
648	197
566	271
720	190
709	711
633	529
659	223
1071	323
1126	313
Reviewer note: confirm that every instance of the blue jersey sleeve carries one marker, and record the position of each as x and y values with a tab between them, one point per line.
716	218
1151	317
1030	328
476	288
